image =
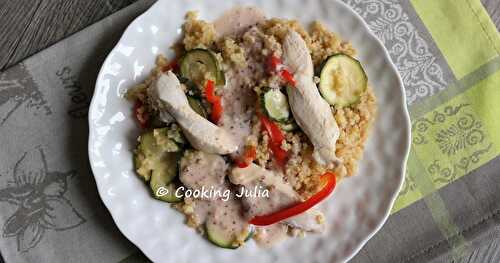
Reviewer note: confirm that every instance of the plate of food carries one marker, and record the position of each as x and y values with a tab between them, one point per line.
248	131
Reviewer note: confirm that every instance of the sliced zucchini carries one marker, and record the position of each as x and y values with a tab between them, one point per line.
164	190
342	80
225	226
155	152
197	106
199	64
191	87
173	132
276	105
220	236
288	126
251	232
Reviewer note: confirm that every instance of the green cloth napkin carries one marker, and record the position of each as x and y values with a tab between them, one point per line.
457	130
447	52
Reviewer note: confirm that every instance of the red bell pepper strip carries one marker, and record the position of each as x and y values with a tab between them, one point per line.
301	207
276	139
210	92
140	114
280	155
288	77
216	113
275	64
214	100
272	129
248	156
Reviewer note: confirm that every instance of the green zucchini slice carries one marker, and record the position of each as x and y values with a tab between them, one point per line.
220	235
197	106
164	190
222	229
342	80
276	105
156	159
288	126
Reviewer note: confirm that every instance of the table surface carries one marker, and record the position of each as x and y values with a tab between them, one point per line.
29	26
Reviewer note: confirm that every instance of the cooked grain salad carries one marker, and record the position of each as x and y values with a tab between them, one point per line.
252	105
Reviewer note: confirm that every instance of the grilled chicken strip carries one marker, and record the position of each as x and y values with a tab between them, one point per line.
201	133
281	196
309	109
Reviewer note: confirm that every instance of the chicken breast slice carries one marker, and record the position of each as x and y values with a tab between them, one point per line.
255	174
236	20
201	133
281	196
311	112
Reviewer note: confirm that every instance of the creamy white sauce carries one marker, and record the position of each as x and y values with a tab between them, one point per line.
237	20
227	215
238	100
281	195
238	97
199	169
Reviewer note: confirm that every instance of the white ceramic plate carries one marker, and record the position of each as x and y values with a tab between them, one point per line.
356	210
